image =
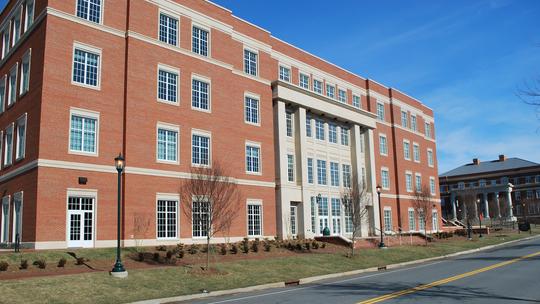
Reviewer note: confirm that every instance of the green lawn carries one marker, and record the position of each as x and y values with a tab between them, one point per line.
174	281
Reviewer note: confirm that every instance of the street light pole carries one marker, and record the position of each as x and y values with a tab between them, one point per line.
381	244
479	217
118	270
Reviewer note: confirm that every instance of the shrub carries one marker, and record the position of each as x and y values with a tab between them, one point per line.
307	245
156	256
223	249
24	264
169	254
290	246
193	249
41	264
245	245
323	245
267	247
315	245
255	246
180	253
140	256
3	265
172	261
62	262
80	261
234	249
179	247
298	246
161	248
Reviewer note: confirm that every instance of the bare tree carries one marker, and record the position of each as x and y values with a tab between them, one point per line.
141	225
530	92
355	199
504	210
469	199
423	205
210	199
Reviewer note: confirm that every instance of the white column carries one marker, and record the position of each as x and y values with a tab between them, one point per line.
372	178
304	221
283	206
453	202
509	201
486	205
496	198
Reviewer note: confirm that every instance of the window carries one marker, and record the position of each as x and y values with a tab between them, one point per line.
199	41
83	132
200	150
2	93
200	94
432	185
406	150
416	153
517	195
404	119
323	213
16	21
317	86
12	85
383	146
336	216
86	67
289	123
346	175
408	182
529	194
252	110
25	74
356	101
8	144
428	130
167	144
321	172
250	62
461	185
29	14
253	159
332	133
413	123
5	39
421	221
284	73
254	214
293	221
167	219
310	170
482	183
290	167
537	193
537	179
430	157
380	111
308	126
21	137
412	220
527	179
313	214
319	129
334	174
89	10
4	237
349	228
342	96
304	81
344	136
435	220
330	91
387	220
167	85
168	29
418	180
201	215
363	176
385	178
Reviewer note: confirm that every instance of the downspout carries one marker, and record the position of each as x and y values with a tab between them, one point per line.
392	121
124	119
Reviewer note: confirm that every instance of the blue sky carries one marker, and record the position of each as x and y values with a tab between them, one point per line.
464	59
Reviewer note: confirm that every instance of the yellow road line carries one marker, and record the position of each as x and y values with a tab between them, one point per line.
444	281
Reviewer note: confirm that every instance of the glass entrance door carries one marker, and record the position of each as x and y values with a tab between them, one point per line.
323	214
80	225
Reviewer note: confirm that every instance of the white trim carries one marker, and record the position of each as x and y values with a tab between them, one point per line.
257	63
5	163
88	114
257	145
382	184
386	139
432	164
406	141
17	147
206	80
15	68
168	197
101	15
88	193
5	199
202	133
172	70
21	80
17	195
259	112
258	202
168	127
73	18
171	15
416	145
89	49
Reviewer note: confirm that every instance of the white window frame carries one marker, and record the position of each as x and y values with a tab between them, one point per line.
169	197
11	127
206	29
27	56
404	119
337	175
287	129
416	152
7	201
383	112
317	121
330	85
387	209
285	68
334	132
310	169
254	145
431	160
414	122
289	157
385	151
417	186
206	80
256	52
340	98
173	16
21	120
385	187
409	210
322	170
409	186
3	100
173	128
356	97
300	74
12	88
88	13
203	133
27	24
259	117
169	69
17	196
255	202
89	114
321	92
90	49
407	151
199	201
432	185
14	38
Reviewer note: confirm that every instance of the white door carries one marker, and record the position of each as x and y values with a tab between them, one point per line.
80	221
323	215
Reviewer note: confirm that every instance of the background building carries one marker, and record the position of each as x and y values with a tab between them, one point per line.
178	84
506	187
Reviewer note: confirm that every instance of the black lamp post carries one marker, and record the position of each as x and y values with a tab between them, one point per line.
381	244
118	270
479	216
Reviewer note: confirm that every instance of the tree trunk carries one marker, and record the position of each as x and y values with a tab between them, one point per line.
352	246
425	231
208	252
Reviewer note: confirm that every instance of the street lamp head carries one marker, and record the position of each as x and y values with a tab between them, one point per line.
378	189
120	162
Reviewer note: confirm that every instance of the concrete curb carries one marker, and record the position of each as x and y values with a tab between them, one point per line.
323	277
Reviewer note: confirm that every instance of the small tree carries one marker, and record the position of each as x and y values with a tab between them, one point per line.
355	199
423	205
210	199
469	198
141	225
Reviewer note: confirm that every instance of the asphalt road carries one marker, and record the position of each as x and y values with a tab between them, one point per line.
509	274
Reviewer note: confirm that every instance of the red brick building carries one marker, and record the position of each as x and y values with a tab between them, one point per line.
177	84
